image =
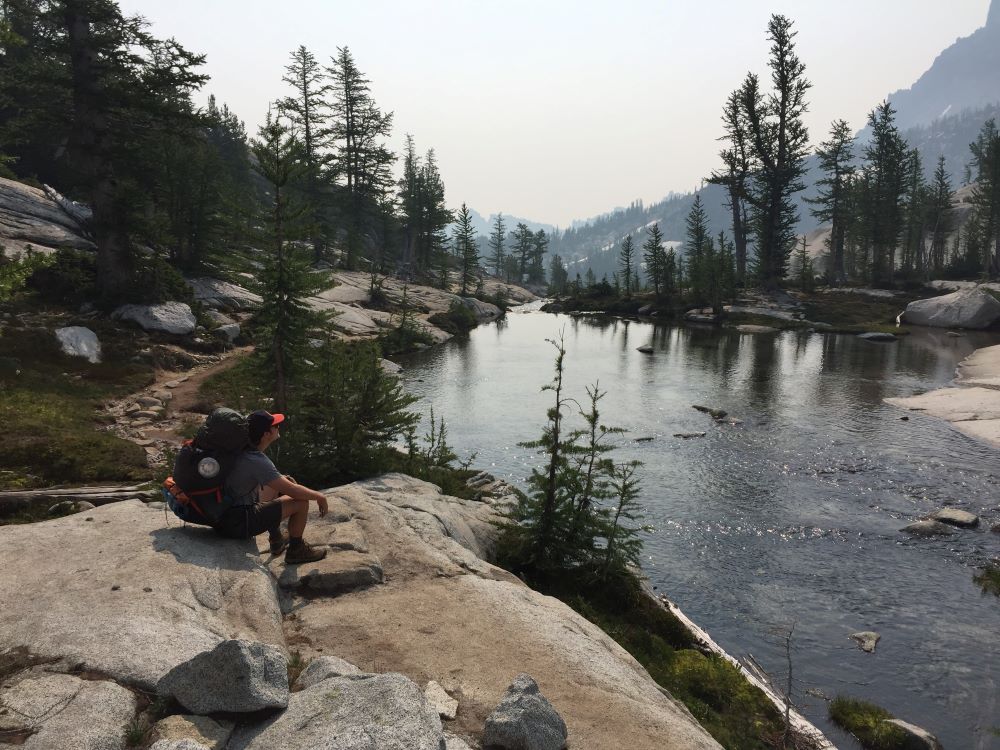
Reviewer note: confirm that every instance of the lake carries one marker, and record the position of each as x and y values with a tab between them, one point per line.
790	516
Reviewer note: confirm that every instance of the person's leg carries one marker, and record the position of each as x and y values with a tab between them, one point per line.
297	511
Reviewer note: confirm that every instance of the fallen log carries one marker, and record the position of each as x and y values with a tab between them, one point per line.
17	501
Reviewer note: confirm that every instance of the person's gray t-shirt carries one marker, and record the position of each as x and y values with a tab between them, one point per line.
252	471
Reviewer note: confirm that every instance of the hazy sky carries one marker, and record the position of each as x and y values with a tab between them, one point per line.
556	110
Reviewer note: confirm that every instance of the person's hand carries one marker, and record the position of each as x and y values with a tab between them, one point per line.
323	507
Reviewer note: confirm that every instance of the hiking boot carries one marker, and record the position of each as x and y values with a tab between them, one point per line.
278	544
303	553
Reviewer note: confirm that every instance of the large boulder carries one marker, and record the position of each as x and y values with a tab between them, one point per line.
966	308
78	341
361	712
41	219
482	310
63	712
125	592
167	317
235	677
525	720
223	295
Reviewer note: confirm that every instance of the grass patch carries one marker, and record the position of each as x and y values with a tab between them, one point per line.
734	712
49	406
988	579
866	721
856	313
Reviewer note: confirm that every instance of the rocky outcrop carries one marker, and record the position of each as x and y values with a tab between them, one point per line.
122	591
42	220
78	341
166	317
525	720
966	308
119	592
482	310
212	734
222	295
928	529
973	407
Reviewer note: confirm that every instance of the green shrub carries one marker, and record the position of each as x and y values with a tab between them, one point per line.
866	721
988	579
15	272
69	279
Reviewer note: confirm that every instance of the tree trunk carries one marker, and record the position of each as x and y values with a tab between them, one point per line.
89	157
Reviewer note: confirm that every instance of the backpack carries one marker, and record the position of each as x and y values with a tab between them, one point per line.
196	490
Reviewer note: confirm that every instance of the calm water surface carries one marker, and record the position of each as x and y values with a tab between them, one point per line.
792	516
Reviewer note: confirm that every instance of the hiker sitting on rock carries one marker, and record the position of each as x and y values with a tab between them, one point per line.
263	498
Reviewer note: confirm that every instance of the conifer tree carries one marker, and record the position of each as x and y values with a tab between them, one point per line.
654	258
309	113
939	219
536	267
779	141
985	197
915	215
286	281
466	247
831	205
884	189
623	545
698	251
626	259
524	245
738	166
558	276
498	236
363	161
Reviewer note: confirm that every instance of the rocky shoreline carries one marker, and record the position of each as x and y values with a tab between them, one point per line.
97	609
972	404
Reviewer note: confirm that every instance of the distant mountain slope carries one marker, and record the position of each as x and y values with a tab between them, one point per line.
964	76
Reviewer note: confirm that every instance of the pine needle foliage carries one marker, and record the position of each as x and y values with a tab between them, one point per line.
579	503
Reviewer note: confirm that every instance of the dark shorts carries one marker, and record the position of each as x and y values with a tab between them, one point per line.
245	521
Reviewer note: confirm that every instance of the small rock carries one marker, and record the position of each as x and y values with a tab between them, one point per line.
689	435
171	384
323	668
389	367
645	349
524	720
78	341
143	442
444	704
116	587
236	676
169	317
747	328
916	737
146	414
866	640
230	332
156	505
877	336
715	413
163	395
956	334
904	419
201	730
955	517
645	439
183	744
70	506
928	528
996	528
148	401
147	589
133	409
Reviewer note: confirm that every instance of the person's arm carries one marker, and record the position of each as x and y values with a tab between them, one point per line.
283	486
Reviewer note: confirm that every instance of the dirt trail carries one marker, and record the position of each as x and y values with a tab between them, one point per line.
155	417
